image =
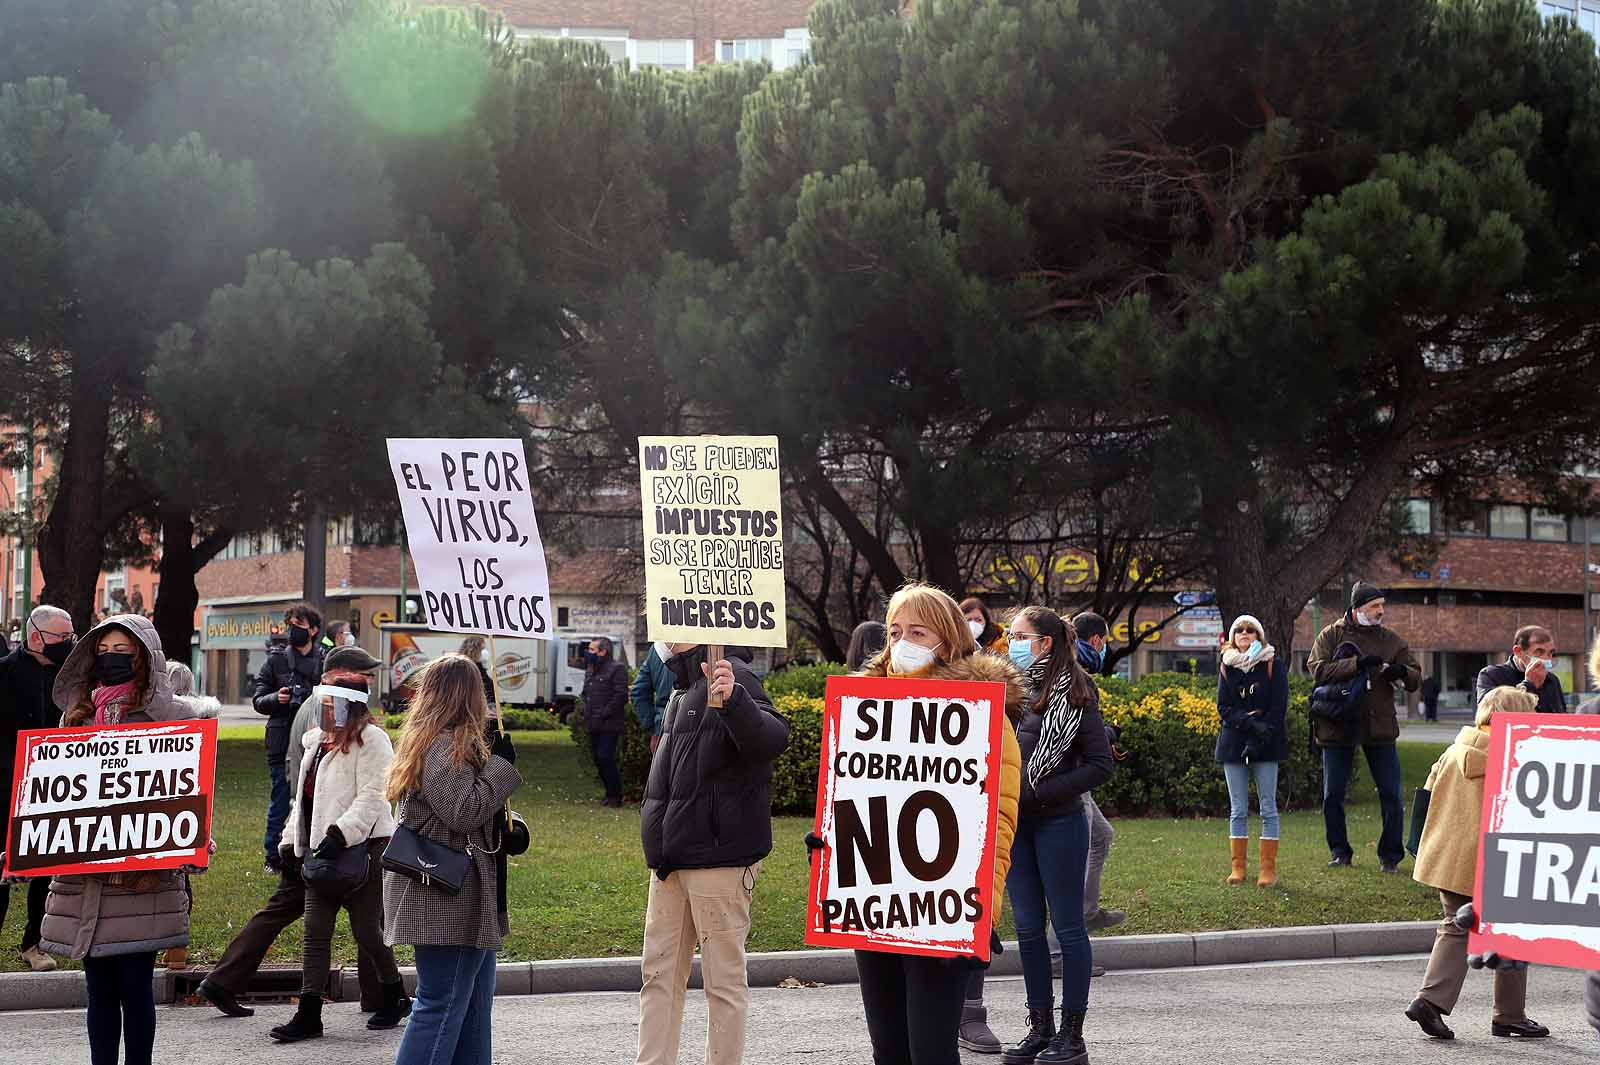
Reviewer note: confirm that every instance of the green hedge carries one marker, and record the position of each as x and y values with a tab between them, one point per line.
516	719
1169	729
809	680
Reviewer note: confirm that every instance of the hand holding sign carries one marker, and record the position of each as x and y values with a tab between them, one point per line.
721	678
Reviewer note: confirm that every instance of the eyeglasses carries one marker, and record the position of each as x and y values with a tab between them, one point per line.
1015	635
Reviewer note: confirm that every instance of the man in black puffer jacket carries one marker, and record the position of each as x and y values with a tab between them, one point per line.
706	822
605	701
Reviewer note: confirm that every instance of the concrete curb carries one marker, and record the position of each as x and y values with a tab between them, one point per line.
65	990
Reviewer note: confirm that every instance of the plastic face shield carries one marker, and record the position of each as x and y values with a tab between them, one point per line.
343	699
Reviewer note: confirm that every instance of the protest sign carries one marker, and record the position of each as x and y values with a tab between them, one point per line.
713	540
111	798
470	522
1538	884
907	801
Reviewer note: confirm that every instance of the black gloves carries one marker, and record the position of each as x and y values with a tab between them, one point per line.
501	748
814	843
1394	671
1370	662
1495	962
333	841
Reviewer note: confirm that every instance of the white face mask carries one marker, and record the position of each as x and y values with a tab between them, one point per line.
349	639
663	650
977	628
908	657
1364	621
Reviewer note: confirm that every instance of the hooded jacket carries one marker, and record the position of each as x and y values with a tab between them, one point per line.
987	668
1447	857
95	916
708	801
1376	723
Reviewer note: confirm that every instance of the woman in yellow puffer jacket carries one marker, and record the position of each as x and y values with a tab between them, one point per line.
1447	859
914	1004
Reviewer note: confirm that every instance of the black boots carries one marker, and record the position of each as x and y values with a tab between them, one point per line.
306	1023
1041	1030
1067	1047
394	1009
223	999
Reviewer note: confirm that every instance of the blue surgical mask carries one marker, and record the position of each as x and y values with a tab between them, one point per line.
1255	649
1021	652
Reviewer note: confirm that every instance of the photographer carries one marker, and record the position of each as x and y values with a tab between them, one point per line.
291	670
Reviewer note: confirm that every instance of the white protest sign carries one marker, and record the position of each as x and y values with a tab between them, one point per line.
469	518
713	540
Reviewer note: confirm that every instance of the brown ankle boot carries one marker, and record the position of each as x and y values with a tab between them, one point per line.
1269	863
1240	847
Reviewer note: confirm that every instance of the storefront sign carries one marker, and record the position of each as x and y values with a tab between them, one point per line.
246	628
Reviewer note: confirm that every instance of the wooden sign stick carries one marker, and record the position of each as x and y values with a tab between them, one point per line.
494	685
714	654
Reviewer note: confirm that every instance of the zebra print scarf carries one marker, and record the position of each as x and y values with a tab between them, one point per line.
1061	722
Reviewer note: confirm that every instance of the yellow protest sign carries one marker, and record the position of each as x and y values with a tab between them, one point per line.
713	539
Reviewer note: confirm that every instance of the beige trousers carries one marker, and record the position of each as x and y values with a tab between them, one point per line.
1447	970
709	908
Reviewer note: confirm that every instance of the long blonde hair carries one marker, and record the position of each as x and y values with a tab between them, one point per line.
449	699
937	612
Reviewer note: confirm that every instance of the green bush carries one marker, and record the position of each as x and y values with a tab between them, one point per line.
809	680
517	719
1169	729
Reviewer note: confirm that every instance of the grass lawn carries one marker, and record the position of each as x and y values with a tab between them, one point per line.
580	890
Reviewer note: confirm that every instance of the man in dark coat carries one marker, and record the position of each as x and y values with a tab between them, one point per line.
706	824
1530	667
290	672
605	703
26	676
1384	656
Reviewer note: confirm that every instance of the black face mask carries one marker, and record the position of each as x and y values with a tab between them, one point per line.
113	667
57	652
299	636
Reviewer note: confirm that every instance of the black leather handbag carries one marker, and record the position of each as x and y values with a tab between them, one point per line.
339	874
516	839
428	862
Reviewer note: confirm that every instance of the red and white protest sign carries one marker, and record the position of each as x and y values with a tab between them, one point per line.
111	799
1538	885
907	800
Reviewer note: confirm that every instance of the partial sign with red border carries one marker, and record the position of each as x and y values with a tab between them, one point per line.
907	801
1538	884
111	799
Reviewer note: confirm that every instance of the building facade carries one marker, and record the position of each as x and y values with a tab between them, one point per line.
669	34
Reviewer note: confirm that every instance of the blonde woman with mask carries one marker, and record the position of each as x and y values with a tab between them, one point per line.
914	1004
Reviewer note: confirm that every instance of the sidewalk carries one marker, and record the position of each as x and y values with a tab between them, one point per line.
65	990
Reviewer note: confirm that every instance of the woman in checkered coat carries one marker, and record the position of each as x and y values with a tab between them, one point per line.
451	783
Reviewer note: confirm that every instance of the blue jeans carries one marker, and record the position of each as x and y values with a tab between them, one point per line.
450	1017
277	811
1049	857
122	1007
1384	761
1238	774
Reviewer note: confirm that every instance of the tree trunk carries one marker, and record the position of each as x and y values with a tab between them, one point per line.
178	597
941	562
314	572
71	545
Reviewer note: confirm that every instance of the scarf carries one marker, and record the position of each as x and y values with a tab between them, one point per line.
1061	721
112	701
1239	660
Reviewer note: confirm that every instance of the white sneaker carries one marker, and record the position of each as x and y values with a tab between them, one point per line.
38	960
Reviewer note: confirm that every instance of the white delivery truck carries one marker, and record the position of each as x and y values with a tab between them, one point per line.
533	673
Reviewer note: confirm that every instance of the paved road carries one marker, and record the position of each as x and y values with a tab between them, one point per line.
1318	1013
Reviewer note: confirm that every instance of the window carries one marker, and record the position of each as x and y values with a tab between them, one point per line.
1551	528
664	55
1585	13
796	46
1473	521
1508	522
747	51
613	42
1419	516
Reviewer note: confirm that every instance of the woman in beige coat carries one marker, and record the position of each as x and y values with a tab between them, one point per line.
1447	859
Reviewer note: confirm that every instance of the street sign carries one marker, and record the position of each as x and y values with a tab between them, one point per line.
1209	642
1201	627
1214	613
1193	598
